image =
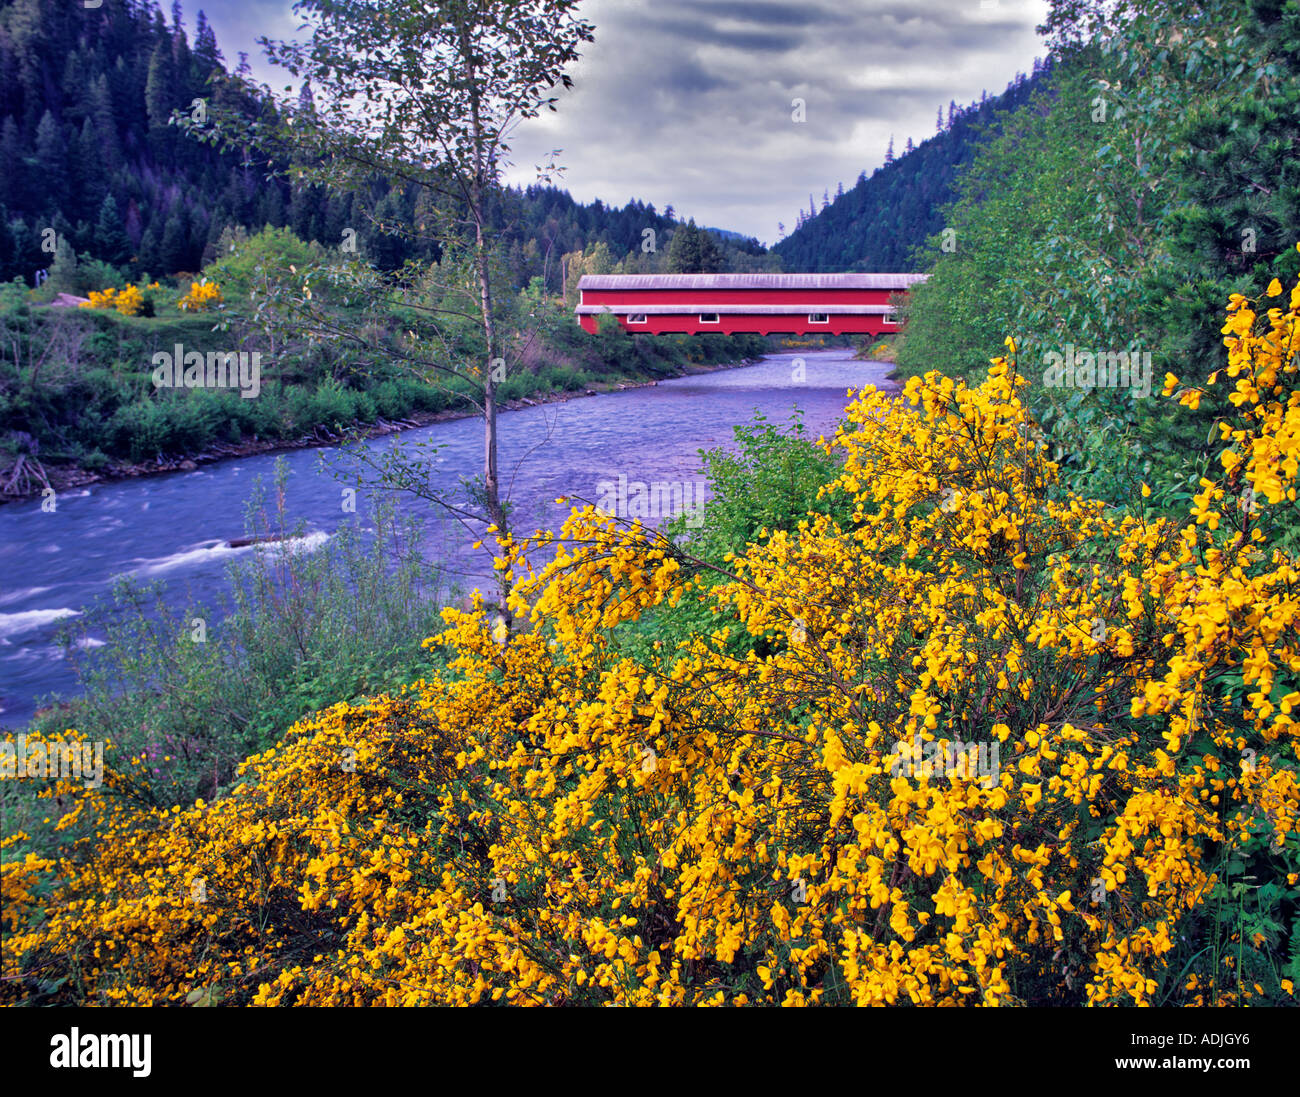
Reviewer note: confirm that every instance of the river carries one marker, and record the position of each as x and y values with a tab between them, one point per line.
54	565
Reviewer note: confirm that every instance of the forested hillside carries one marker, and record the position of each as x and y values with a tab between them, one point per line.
1153	174
85	100
879	223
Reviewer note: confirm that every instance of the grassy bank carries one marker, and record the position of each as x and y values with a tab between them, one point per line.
78	399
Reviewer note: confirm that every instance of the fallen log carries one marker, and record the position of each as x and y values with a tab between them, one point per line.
245	542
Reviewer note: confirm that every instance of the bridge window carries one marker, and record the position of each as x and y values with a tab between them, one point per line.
709	318
819	318
636	318
891	318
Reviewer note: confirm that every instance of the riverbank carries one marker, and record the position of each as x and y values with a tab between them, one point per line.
84	402
177	529
63	478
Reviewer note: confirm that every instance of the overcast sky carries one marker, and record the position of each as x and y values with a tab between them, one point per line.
689	103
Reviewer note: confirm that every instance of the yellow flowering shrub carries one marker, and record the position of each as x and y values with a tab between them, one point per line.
550	822
202	296
129	302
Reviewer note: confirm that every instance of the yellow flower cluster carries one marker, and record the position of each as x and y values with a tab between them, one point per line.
550	822
129	302
202	296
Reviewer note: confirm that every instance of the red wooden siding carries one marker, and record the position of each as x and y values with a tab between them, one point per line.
765	304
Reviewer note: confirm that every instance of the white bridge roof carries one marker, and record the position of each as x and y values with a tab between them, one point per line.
790	308
748	281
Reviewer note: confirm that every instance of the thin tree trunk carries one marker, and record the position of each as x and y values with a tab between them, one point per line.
490	476
491	479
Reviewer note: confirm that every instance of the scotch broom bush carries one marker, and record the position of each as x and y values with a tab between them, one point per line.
550	822
201	297
129	302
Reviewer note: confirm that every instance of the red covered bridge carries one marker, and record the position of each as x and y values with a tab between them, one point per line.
764	304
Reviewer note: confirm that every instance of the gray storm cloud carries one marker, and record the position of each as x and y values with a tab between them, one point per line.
688	102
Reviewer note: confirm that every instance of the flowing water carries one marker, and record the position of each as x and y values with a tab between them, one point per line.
176	526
